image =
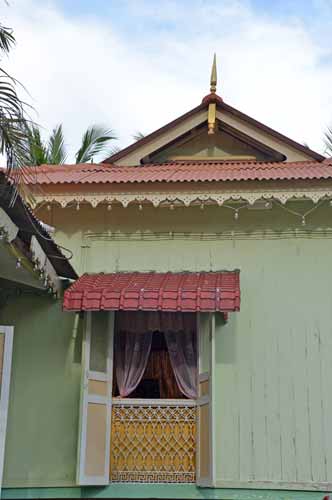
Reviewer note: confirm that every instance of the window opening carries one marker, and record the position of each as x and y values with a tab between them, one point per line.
158	380
155	363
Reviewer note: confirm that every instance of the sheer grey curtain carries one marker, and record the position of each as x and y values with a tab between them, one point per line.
132	352
133	345
183	355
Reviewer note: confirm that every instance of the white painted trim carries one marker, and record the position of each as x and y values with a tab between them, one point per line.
97	399
84	401
198	333
237	190
93	481
110	347
203	377
100	376
276	485
8	331
87	375
153	402
203	400
212	398
204	483
206	400
8	226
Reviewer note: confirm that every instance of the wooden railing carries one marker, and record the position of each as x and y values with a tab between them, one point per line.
153	441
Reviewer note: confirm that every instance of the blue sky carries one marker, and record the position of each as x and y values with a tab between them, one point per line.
281	8
137	64
312	13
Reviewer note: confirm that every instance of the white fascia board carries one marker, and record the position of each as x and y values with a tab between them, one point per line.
7	226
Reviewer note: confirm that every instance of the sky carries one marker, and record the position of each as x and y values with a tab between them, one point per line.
135	65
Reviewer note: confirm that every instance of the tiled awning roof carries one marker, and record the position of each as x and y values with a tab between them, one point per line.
179	171
186	292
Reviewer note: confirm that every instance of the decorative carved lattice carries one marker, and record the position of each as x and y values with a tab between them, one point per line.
153	444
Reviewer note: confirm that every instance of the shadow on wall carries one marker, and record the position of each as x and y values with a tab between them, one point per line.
226	339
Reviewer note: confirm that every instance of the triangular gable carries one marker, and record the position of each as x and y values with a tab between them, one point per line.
225	144
237	135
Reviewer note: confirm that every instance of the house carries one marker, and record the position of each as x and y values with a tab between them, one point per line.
192	357
33	273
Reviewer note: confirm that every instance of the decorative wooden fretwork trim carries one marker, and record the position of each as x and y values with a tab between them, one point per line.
183	198
153	443
225	234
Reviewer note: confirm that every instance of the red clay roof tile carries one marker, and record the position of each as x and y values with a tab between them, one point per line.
179	171
187	292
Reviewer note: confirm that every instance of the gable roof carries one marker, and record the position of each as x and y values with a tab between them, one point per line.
179	171
221	106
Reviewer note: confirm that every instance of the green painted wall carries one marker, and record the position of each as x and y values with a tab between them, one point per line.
103	240
272	359
164	491
273	363
44	399
218	144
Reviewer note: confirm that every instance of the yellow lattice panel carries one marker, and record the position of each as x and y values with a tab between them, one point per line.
153	444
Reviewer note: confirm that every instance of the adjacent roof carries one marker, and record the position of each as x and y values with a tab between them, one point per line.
179	171
30	226
222	106
187	292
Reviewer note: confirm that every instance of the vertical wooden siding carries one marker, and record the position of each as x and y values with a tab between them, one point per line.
274	369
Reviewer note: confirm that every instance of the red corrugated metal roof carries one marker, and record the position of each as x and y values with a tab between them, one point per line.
187	292
179	171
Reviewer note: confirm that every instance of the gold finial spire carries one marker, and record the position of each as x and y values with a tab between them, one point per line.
213	80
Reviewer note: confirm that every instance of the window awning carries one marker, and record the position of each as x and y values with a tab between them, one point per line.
186	292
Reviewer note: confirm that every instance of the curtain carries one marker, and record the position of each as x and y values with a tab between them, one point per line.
133	340
132	352
183	355
155	321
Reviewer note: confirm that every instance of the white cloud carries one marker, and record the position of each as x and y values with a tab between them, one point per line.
84	70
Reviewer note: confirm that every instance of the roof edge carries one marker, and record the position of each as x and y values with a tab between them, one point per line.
221	105
153	135
269	130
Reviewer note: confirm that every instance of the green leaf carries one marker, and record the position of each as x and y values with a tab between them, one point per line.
328	141
95	141
137	136
7	39
56	147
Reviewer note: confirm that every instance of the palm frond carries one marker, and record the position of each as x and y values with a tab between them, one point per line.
12	122
95	141
137	136
113	150
56	146
13	119
7	39
328	141
37	151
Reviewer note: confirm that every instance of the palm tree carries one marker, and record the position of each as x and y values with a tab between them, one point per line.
12	110
95	141
328	141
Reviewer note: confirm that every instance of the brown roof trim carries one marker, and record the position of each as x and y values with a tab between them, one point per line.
154	134
277	156
251	141
220	106
271	131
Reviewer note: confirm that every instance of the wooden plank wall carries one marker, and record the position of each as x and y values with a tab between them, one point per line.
274	373
274	370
